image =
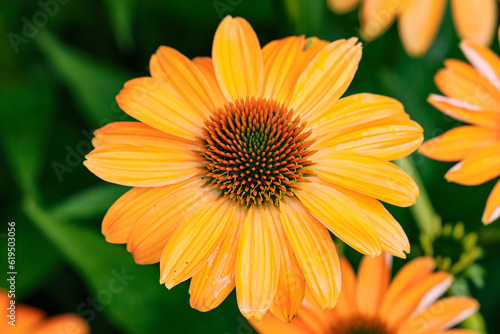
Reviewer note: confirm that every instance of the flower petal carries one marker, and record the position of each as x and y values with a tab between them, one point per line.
258	263
284	62
212	284
195	241
270	324
291	283
167	207
479	166
373	279
492	211
367	175
377	16
342	6
484	60
463	82
157	104
466	112
237	59
427	15
347	306
172	67
148	158
314	250
326	78
475	20
441	315
206	67
457	143
64	323
341	215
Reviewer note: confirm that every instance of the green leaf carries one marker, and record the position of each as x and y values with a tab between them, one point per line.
94	85
120	12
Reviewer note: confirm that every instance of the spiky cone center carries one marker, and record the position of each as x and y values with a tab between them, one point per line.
360	325
255	151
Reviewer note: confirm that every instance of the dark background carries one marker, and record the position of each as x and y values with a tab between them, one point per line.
61	67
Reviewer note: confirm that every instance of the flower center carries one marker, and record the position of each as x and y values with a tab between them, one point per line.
360	325
255	151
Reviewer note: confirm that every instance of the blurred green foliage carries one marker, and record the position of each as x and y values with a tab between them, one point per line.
57	84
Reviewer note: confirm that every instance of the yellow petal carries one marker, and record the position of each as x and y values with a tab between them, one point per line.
166	210
172	67
258	263
387	138
416	298
377	16
373	279
291	283
237	59
456	143
314	250
284	62
466	112
148	158
442	315
342	6
475	20
326	78
157	104
484	60
492	211
463	82
341	215
212	284
195	241
419	24
477	167
367	175
206	67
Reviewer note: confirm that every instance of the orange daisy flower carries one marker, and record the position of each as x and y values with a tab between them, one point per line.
472	96
419	20
30	320
371	304
242	163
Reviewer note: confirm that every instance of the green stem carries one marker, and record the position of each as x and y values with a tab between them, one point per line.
423	212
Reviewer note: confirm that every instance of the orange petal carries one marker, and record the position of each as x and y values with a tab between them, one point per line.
456	143
157	104
377	16
195	241
284	62
237	59
479	166
461	81
466	112
270	324
475	20
167	208
257	264
315	252
460	331
206	67
28	318
326	78
347	306
484	60
373	280
342	6
441	315
427	15
492	211
341	215
174	68
211	285
367	175
148	158
291	283
415	298
65	323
